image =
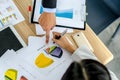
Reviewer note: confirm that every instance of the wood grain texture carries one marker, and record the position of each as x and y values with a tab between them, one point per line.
26	29
100	50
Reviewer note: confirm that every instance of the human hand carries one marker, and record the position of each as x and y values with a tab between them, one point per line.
64	42
47	22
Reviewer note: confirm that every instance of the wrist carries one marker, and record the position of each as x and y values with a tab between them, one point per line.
48	14
49	10
71	50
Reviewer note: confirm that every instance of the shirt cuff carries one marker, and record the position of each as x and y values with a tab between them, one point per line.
83	52
49	10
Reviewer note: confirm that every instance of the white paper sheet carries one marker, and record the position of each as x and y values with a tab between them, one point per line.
39	44
35	42
57	68
9	13
10	60
40	31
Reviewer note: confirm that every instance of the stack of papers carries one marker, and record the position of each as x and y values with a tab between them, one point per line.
25	63
12	67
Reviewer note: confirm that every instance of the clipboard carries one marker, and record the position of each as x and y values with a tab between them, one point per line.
73	17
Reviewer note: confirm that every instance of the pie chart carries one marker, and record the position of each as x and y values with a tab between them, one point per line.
43	61
11	74
54	51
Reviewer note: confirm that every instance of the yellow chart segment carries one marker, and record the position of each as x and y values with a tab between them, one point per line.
11	74
43	61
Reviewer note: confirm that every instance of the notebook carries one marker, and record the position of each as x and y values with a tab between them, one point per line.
10	39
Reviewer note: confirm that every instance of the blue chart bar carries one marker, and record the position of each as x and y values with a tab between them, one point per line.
62	13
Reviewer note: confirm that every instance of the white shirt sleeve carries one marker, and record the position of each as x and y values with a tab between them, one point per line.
49	10
113	76
84	52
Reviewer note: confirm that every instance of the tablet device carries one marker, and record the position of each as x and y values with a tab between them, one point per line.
10	39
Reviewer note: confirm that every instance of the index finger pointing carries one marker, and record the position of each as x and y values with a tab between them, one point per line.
47	36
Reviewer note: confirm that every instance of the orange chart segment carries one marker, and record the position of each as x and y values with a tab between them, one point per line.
23	78
43	61
11	74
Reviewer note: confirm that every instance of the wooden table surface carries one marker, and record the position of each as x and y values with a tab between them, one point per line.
26	29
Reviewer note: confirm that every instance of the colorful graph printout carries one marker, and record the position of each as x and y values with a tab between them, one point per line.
12	74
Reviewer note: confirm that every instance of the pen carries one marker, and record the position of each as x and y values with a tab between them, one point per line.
29	12
62	34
